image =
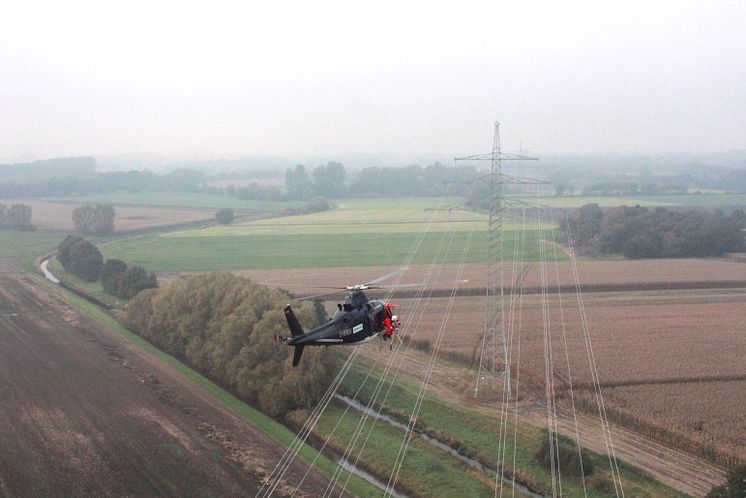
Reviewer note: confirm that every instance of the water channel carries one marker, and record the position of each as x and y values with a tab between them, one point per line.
437	443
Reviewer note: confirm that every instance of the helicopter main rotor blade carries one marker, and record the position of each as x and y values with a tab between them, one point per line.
276	284
317	296
387	276
421	284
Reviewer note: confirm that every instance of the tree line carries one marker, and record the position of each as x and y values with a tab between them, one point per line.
224	326
639	232
610	188
330	181
83	259
60	177
16	216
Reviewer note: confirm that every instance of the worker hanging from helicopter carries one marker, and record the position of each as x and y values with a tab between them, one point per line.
391	322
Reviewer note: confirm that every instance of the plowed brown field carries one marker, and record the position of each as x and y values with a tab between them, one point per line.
85	413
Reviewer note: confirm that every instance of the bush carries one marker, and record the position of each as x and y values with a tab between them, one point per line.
225	216
734	487
80	257
110	273
129	282
566	458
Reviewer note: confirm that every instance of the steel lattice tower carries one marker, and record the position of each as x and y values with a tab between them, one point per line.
494	322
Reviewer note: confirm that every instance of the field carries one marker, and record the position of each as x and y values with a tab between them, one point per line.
649	346
366	233
25	247
179	199
710	414
691	200
660	328
85	413
608	275
57	216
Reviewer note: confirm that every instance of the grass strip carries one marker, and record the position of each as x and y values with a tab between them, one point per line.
475	435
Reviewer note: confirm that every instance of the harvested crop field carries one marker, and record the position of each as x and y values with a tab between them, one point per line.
661	330
708	413
89	414
57	216
654	274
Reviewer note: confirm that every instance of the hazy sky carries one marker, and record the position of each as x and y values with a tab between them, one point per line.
220	79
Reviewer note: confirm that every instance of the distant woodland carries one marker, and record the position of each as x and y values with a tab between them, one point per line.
590	176
639	232
225	327
60	177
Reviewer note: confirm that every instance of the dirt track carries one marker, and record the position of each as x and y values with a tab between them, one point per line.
83	412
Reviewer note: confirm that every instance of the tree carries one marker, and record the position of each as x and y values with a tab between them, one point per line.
297	183
329	180
224	216
225	326
638	232
94	220
110	273
131	281
81	258
17	217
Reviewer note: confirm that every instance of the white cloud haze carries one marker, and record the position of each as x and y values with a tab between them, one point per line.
221	79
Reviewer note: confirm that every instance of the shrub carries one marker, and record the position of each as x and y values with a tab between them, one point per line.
735	484
566	457
224	216
131	281
80	257
110	273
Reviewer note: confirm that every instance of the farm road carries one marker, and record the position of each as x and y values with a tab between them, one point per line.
85	413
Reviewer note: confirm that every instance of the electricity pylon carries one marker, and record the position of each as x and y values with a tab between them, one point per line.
494	322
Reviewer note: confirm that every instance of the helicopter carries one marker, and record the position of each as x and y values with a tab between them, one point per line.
357	320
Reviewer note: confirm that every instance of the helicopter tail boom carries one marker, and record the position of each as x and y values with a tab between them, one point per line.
295	327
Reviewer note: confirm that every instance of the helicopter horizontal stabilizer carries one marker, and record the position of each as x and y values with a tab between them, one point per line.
295	327
297	354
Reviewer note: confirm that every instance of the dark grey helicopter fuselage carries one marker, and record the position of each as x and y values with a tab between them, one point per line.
357	320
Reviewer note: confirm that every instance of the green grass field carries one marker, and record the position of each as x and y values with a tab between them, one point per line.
25	247
178	199
174	254
356	233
